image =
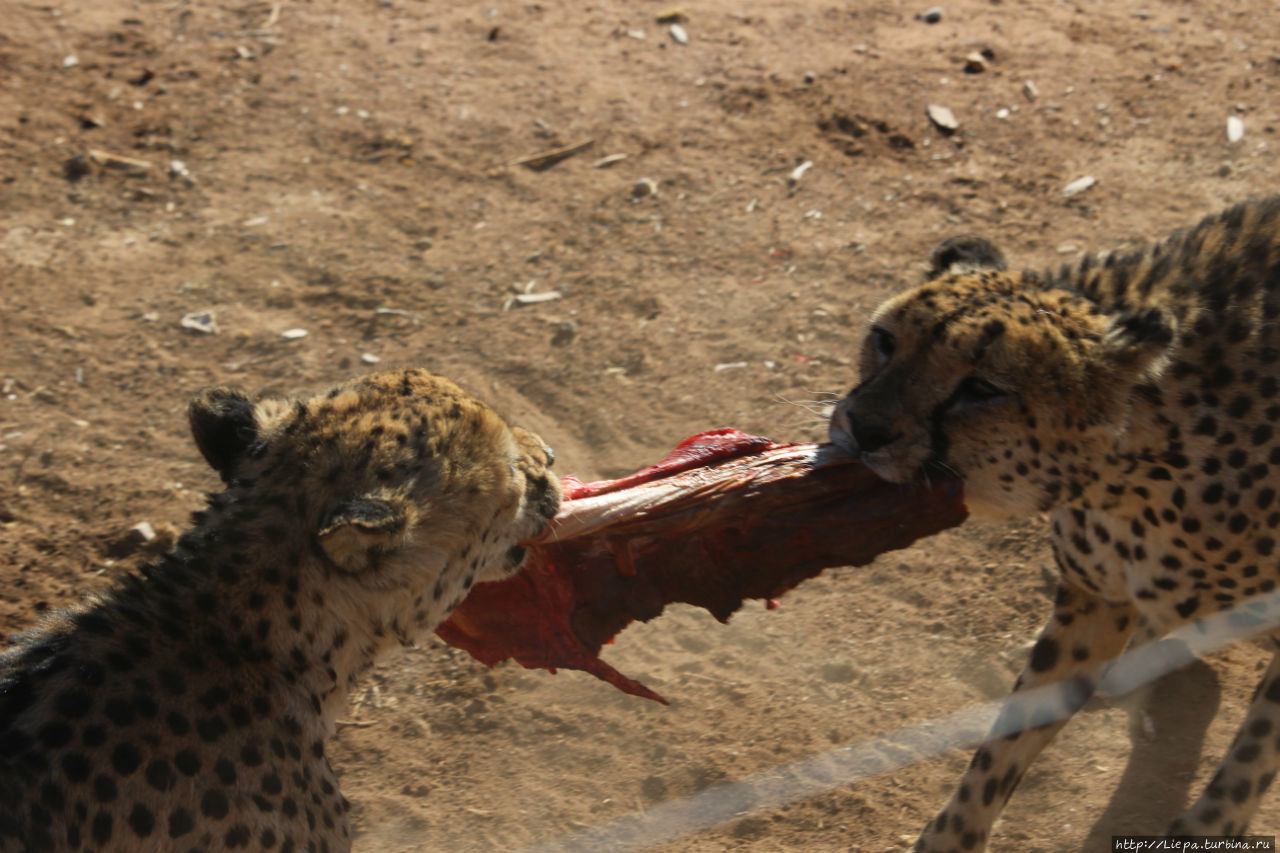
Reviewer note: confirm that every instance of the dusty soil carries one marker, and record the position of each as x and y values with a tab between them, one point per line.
348	171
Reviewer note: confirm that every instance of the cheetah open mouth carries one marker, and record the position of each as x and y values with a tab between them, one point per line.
725	517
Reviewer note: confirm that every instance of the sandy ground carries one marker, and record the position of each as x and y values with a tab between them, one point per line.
347	168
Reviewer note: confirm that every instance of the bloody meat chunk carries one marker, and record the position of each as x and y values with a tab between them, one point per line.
725	517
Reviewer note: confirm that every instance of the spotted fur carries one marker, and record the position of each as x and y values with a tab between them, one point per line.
1135	397
188	707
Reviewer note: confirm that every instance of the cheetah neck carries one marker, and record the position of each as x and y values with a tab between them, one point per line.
276	616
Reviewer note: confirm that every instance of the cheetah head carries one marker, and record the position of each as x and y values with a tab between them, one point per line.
396	480
1020	388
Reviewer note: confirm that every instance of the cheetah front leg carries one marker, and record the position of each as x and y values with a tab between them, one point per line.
1233	795
1081	637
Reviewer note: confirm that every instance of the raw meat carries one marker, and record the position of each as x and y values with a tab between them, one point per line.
725	517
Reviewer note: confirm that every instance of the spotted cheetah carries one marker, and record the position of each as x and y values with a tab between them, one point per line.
188	707
1134	396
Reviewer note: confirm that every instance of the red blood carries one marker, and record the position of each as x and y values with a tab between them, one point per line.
726	516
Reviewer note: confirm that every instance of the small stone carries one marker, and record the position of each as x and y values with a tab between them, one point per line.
564	333
75	168
1002	113
199	321
678	35
798	172
1067	248
931	15
131	540
1030	90
975	63
942	117
178	171
644	188
1235	129
809	77
70	61
293	334
1079	185
370	358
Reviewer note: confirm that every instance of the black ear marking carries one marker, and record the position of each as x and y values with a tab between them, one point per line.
1147	327
223	425
1141	340
964	254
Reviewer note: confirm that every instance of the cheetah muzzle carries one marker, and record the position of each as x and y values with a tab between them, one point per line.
189	706
1135	397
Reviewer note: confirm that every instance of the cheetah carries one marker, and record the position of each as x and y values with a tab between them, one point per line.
188	707
1135	398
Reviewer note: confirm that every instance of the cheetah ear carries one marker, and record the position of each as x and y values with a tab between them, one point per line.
965	254
1140	341
356	528
223	425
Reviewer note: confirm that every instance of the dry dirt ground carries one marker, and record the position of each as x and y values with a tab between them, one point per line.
346	168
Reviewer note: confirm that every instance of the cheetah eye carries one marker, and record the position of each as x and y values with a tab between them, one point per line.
973	390
882	342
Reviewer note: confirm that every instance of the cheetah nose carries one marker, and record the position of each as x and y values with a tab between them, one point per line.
867	436
550	454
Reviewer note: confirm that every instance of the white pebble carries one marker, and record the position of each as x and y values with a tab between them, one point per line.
798	172
293	334
70	61
679	35
1079	185
370	358
942	117
199	321
1235	128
